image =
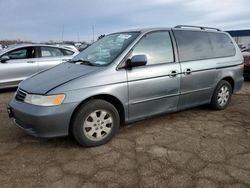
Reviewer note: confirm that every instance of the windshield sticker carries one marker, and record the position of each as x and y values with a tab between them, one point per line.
123	36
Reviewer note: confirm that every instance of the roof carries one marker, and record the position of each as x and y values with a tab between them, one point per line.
142	30
190	28
239	33
15	46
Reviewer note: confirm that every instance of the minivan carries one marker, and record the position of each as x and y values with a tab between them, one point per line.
128	76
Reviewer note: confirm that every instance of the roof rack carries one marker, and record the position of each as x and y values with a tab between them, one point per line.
200	27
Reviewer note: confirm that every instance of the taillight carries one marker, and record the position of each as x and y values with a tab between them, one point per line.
247	60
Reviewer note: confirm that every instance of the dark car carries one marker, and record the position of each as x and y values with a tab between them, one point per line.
246	73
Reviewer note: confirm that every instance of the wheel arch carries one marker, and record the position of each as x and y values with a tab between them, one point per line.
230	80
106	97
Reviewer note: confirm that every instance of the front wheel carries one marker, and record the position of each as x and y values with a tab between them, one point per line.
95	123
222	95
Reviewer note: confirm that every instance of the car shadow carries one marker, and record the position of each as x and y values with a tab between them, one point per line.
247	79
58	142
69	141
6	90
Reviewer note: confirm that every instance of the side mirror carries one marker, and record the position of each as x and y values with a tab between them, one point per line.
4	59
137	60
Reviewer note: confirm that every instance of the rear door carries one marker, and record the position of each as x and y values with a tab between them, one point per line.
20	66
50	57
154	88
198	67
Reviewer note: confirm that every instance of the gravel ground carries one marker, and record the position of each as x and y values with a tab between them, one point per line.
193	148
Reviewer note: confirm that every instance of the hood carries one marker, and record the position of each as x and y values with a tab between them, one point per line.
45	81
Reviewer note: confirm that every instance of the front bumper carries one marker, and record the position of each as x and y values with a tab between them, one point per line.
40	121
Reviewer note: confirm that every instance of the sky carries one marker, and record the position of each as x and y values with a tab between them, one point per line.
57	20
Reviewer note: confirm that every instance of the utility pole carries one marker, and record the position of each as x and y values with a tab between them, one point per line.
93	33
62	33
78	37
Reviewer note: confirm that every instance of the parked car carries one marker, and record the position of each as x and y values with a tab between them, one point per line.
83	47
129	76
21	61
246	56
68	46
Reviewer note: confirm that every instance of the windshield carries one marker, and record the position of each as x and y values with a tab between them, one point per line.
4	50
107	49
10	47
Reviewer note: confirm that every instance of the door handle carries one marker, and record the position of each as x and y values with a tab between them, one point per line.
187	71
173	74
30	61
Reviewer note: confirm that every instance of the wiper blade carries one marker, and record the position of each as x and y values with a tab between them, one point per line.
81	61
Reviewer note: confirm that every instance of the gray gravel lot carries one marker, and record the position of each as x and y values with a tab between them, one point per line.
193	148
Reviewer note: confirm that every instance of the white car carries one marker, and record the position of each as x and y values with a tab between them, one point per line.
68	46
21	61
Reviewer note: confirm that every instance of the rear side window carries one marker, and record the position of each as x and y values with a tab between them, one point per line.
222	45
193	45
50	52
67	52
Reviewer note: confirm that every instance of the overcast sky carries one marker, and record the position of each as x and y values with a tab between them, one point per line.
43	20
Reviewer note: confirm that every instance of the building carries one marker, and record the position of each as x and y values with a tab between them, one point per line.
242	37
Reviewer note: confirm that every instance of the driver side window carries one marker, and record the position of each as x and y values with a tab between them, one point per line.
157	46
18	54
22	53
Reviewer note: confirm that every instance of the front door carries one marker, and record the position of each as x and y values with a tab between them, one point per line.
154	88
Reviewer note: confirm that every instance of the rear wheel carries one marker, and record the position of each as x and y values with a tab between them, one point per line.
222	95
95	123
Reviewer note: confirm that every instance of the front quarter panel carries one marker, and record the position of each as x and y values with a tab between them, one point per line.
108	82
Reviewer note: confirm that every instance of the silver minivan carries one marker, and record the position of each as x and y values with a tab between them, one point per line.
18	62
129	76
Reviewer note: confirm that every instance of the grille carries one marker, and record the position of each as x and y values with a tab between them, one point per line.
20	95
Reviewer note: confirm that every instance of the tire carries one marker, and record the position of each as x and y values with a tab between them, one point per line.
222	95
95	123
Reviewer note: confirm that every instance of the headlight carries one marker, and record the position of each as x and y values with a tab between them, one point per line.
42	100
